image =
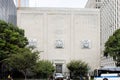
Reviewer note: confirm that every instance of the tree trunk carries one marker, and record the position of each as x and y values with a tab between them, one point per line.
25	75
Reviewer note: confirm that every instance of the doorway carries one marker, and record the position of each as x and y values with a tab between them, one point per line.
58	68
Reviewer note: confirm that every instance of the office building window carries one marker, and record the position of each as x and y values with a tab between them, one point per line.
98	0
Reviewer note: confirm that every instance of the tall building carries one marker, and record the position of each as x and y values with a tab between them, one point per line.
49	3
21	3
34	3
8	11
109	22
110	15
94	3
63	34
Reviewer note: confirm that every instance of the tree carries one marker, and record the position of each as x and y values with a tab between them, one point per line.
44	68
112	47
77	68
23	61
11	40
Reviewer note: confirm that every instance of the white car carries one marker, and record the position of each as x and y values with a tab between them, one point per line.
58	76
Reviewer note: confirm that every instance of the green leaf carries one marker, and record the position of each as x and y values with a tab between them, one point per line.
112	46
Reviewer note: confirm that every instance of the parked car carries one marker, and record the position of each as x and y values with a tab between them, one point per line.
58	76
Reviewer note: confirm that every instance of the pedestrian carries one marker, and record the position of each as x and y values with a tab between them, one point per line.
51	77
81	77
9	77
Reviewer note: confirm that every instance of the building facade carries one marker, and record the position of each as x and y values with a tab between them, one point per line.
110	15
21	3
94	3
8	11
63	34
109	22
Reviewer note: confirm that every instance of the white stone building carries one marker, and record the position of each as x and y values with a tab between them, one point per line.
63	34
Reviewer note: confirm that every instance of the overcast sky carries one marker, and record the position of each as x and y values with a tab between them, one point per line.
58	3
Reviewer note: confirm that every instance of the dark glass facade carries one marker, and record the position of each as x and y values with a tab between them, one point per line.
8	11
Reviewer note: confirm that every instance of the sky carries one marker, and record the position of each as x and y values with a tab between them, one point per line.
58	3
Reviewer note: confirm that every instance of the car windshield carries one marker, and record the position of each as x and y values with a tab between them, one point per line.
58	74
